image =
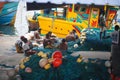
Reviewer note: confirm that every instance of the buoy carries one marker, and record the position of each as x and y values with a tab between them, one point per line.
107	63
28	70
22	66
40	53
43	62
75	45
44	55
57	62
79	60
57	54
47	66
26	59
50	60
91	49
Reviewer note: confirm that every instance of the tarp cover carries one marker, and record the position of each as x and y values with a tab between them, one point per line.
38	6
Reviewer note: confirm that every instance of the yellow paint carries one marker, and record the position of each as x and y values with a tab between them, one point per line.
60	28
105	8
71	15
94	17
13	20
73	5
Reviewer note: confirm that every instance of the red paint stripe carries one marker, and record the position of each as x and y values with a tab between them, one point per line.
76	29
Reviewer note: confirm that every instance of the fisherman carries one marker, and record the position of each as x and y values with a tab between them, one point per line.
75	34
37	37
52	37
102	26
47	42
115	36
27	47
51	34
19	45
63	45
72	36
115	51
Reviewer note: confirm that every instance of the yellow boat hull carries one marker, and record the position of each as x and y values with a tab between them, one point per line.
59	27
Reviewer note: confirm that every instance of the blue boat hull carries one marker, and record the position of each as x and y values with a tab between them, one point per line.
7	18
8	12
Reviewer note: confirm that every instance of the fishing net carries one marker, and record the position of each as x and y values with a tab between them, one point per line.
92	42
72	68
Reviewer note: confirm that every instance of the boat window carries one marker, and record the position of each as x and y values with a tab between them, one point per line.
77	7
56	12
60	12
82	9
47	11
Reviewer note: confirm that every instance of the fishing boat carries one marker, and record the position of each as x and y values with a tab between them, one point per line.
62	20
1	5
7	12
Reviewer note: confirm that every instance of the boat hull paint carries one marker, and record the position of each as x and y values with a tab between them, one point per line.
59	27
7	18
8	12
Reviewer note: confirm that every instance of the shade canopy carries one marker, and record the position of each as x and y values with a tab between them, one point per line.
38	6
42	4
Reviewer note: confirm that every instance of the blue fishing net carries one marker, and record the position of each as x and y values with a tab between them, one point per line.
70	69
92	41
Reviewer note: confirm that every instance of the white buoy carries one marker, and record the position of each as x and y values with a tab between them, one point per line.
75	45
43	62
107	63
